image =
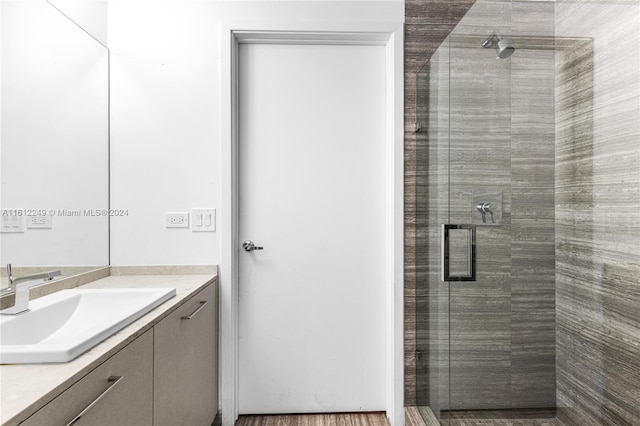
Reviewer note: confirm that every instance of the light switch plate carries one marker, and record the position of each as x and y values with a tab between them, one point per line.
12	220
203	220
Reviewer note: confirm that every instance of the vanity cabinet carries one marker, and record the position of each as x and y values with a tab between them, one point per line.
121	387
185	363
167	376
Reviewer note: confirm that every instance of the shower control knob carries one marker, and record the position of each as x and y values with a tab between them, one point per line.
485	208
250	246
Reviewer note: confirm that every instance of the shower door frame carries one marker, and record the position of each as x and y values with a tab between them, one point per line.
390	35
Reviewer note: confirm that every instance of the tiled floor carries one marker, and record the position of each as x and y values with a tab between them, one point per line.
419	416
501	422
422	416
341	419
412	418
547	422
500	418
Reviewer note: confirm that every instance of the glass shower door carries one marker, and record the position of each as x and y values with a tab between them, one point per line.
463	305
480	195
485	148
432	211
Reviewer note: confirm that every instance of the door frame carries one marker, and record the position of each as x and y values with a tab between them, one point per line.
390	35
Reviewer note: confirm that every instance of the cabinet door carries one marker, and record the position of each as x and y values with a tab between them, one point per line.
185	363
126	399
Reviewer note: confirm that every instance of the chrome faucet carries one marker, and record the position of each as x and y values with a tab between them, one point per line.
21	285
485	208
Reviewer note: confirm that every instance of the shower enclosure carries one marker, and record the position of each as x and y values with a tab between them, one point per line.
531	158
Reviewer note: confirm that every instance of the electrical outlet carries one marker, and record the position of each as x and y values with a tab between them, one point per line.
176	220
39	222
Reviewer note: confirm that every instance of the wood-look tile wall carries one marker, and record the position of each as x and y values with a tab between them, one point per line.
533	207
502	131
572	219
480	161
427	24
598	212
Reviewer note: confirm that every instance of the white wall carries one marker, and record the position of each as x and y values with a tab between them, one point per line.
165	141
90	15
54	136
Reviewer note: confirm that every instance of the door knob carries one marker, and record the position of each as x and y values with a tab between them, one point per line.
250	246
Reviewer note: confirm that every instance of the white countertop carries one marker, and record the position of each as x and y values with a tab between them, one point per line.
25	388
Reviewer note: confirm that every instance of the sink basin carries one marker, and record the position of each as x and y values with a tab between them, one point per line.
61	326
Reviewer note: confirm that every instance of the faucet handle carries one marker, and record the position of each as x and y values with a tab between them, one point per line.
485	208
9	278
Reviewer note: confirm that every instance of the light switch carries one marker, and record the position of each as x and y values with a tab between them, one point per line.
204	220
13	220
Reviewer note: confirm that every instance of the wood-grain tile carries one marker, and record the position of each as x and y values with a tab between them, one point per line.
502	118
328	419
571	195
518	417
598	197
412	417
532	212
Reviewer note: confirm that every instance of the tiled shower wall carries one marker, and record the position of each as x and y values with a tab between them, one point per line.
598	212
427	24
502	134
593	271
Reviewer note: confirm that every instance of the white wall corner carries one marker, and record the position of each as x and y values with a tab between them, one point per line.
395	227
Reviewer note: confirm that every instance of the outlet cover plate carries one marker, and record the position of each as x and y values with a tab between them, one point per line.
176	220
40	222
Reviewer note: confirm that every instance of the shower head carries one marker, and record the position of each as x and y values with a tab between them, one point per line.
504	46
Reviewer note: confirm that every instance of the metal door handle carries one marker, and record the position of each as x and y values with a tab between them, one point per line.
470	273
249	246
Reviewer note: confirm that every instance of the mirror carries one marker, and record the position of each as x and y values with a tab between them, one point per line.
54	142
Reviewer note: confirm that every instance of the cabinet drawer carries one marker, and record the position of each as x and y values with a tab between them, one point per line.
127	401
185	363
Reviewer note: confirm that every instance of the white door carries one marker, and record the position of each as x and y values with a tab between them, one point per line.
312	193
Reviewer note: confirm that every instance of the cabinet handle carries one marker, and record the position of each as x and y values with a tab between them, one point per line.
193	314
113	380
